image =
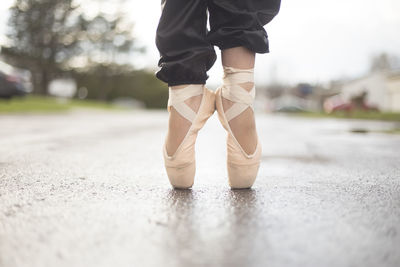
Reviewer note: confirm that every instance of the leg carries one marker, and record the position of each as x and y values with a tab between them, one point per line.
237	29
237	23
186	56
243	126
178	125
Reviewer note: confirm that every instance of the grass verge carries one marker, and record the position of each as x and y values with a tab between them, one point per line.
383	116
30	104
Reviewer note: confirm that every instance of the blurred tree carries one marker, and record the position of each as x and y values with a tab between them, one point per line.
53	36
125	81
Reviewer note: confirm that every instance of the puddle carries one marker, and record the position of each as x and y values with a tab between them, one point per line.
359	131
366	131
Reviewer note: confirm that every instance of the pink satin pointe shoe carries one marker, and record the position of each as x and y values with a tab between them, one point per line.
242	167
181	166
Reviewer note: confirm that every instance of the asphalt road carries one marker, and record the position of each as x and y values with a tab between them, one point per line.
89	189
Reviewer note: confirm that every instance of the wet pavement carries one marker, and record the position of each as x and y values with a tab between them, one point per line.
89	189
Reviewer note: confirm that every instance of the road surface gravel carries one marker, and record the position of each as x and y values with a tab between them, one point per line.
89	189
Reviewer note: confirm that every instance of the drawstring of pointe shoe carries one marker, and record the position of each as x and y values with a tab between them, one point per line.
177	99
232	91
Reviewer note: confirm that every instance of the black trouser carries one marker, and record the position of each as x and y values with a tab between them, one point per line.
186	46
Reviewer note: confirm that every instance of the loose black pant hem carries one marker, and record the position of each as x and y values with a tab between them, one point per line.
187	47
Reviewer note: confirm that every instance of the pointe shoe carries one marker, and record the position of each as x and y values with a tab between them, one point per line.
181	166
242	167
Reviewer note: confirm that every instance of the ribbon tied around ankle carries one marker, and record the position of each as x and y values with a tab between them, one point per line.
232	91
177	99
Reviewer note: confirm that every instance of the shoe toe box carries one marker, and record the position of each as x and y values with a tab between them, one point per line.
182	177
242	176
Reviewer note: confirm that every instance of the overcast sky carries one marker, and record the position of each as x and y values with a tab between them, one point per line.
310	40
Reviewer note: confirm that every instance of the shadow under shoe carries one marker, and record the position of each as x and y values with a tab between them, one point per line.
181	166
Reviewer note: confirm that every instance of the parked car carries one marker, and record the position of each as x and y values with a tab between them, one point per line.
14	81
336	103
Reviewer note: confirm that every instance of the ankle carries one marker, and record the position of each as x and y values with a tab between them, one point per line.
176	87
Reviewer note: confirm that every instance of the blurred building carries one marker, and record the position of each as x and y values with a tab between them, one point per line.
302	97
382	90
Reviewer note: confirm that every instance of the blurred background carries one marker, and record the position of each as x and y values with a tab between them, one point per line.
88	187
333	57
